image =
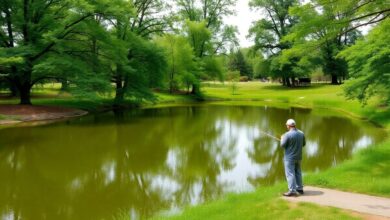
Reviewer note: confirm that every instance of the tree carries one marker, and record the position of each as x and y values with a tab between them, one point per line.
180	60
269	32
238	62
211	12
326	27
260	66
34	36
313	37
147	65
213	68
148	18
369	66
207	33
135	28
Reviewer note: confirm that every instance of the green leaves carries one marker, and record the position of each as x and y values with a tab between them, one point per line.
369	66
239	63
180	57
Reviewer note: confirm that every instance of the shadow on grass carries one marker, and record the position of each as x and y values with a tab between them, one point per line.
383	117
284	88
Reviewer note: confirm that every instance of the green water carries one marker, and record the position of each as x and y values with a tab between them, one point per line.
143	162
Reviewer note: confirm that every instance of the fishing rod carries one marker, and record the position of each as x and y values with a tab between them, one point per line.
269	135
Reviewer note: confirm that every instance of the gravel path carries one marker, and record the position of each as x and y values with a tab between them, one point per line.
372	207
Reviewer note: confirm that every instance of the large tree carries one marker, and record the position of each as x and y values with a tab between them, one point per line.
145	63
314	37
40	35
268	33
207	33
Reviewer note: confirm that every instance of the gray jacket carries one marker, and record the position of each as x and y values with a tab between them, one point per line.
293	142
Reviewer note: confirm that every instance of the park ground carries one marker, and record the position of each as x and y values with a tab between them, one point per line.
366	172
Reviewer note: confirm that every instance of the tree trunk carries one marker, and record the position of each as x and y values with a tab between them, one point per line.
171	86
119	91
334	80
25	94
284	83
119	96
24	86
64	85
195	89
14	90
288	83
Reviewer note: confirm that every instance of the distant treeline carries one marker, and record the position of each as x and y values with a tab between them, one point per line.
126	48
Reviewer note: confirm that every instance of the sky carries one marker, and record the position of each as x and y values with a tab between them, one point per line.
245	16
243	19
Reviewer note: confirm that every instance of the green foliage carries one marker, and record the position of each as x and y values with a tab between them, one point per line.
46	37
213	67
182	67
369	65
148	65
326	27
327	19
211	12
199	37
269	31
268	34
207	33
238	62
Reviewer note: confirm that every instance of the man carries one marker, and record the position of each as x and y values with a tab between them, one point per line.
293	142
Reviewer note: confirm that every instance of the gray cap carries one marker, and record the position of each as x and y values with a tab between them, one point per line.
290	122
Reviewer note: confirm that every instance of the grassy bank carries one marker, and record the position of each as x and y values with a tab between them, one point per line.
264	203
315	96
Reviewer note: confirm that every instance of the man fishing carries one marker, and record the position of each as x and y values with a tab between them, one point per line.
293	141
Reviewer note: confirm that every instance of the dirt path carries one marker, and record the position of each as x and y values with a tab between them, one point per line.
365	206
24	113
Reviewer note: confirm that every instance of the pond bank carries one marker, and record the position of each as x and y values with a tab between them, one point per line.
13	114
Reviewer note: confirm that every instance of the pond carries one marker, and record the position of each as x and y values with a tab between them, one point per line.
147	161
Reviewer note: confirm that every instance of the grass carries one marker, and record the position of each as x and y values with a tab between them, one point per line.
315	96
264	203
365	172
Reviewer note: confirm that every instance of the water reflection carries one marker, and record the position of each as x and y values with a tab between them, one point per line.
144	161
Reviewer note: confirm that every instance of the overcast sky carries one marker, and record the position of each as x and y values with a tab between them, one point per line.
243	20
245	16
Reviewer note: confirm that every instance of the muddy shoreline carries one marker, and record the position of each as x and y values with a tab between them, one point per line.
14	114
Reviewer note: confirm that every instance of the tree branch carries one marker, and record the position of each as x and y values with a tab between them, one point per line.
369	15
367	23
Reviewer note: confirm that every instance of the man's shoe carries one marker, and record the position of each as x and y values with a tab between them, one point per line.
289	194
300	191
